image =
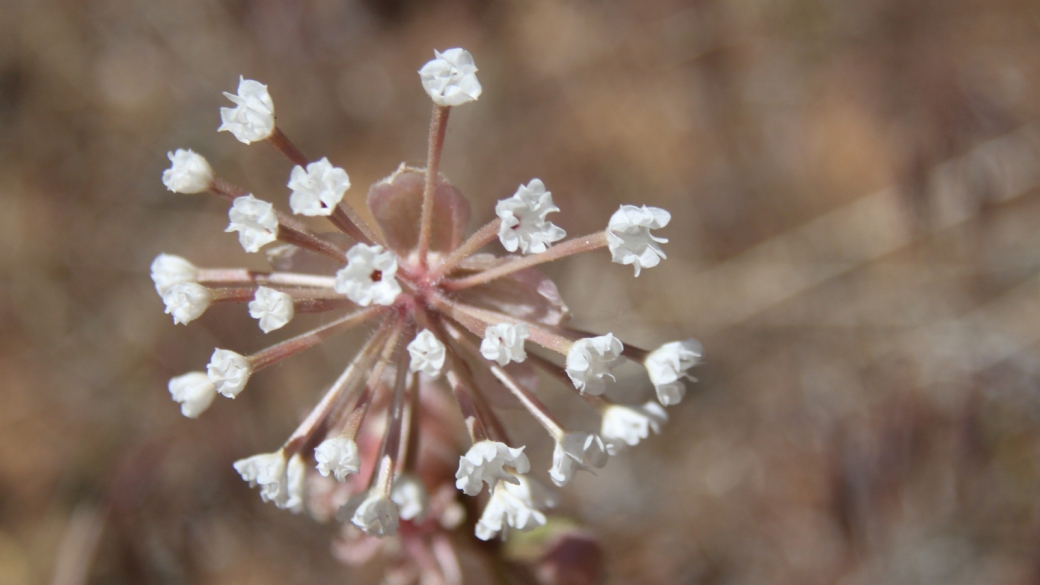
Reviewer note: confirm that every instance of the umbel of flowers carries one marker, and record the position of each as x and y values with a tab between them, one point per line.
436	307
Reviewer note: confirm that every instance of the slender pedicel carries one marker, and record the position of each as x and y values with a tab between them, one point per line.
478	240
476	320
295	345
353	420
282	144
438	124
568	248
275	279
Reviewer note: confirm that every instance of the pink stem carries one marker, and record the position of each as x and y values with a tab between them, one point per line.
568	248
438	125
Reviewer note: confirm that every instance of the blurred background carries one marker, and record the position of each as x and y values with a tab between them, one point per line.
855	193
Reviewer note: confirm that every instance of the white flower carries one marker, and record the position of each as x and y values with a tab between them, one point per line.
254	220
193	391
273	308
187	301
627	425
377	515
590	360
427	354
504	342
576	451
667	366
253	117
450	78
523	219
168	270
411	498
338	456
484	462
228	371
280	482
189	173
317	190
629	237
370	276
268	470
515	505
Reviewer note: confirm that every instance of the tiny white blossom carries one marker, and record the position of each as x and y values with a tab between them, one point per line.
187	301
577	450
427	354
667	366
411	497
338	456
504	342
516	506
168	270
627	425
318	189
193	391
590	360
369	277
254	220
228	371
450	78
296	476
523	219
268	470
377	515
272	308
190	172
484	462
629	237
252	118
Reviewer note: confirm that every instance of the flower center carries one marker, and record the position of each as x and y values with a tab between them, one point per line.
376	276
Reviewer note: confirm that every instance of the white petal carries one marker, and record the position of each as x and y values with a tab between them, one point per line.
667	366
252	118
255	221
627	425
318	189
187	301
188	173
504	342
411	497
590	360
523	220
577	450
450	79
168	270
229	372
485	462
517	505
274	309
377	515
427	354
338	456
369	277
629	237
193	391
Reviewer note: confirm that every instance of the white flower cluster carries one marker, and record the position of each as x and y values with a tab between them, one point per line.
516	505
318	189
229	372
485	462
667	366
576	450
450	79
280	481
590	360
337	456
255	221
186	301
189	173
629	237
504	342
627	425
252	118
272	308
427	354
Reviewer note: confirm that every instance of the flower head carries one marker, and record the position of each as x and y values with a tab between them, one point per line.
523	219
255	221
629	237
274	309
186	301
485	462
576	451
377	515
516	505
194	392
590	360
410	495
450	79
228	371
504	342
252	118
370	276
280	479
337	456
318	189
427	354
627	425
189	172
667	366
168	270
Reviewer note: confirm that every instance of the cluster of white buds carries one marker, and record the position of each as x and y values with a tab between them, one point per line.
405	275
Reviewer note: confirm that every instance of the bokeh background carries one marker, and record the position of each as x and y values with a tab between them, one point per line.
855	203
